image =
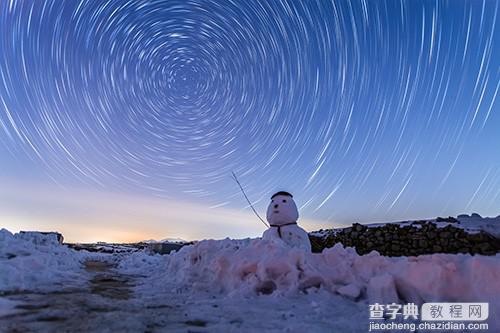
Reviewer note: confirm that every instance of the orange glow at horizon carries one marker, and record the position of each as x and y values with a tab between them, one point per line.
90	216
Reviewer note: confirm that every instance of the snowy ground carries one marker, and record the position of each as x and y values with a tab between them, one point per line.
224	286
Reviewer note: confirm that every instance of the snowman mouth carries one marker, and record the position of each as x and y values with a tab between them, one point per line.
276	211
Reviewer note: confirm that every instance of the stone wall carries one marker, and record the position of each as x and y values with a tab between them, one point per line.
415	238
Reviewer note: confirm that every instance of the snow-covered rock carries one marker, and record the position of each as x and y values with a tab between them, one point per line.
41	238
476	223
36	261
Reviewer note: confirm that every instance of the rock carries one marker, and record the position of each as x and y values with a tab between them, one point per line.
485	246
164	248
448	219
318	243
41	237
436	249
358	227
423	243
445	234
407	240
477	237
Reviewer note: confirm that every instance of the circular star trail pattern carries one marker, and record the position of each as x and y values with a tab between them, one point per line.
371	105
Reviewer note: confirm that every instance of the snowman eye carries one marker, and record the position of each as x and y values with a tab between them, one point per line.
284	200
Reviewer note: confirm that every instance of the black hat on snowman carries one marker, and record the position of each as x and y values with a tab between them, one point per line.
285	193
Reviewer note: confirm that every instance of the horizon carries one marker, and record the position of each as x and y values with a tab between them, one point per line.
154	223
124	120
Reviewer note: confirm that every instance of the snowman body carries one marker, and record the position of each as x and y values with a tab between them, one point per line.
282	215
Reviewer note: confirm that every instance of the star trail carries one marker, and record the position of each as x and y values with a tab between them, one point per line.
364	110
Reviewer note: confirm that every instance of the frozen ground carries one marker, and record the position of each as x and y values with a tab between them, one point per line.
224	286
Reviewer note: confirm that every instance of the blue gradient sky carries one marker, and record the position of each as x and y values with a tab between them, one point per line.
122	120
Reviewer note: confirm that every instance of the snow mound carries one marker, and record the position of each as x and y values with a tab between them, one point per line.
33	261
255	266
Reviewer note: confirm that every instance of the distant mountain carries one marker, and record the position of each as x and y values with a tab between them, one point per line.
149	241
165	240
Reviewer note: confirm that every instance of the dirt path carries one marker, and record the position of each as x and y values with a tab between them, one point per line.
71	309
107	282
104	303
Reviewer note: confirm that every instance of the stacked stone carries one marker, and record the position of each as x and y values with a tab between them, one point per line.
419	237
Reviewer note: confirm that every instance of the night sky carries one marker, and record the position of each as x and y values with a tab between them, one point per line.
364	110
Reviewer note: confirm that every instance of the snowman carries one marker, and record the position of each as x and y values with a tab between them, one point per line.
282	215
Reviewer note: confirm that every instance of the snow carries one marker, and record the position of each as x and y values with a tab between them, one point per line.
252	268
476	223
242	267
238	285
33	261
7	307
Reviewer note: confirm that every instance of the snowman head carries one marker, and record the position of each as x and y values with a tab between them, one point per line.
282	209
